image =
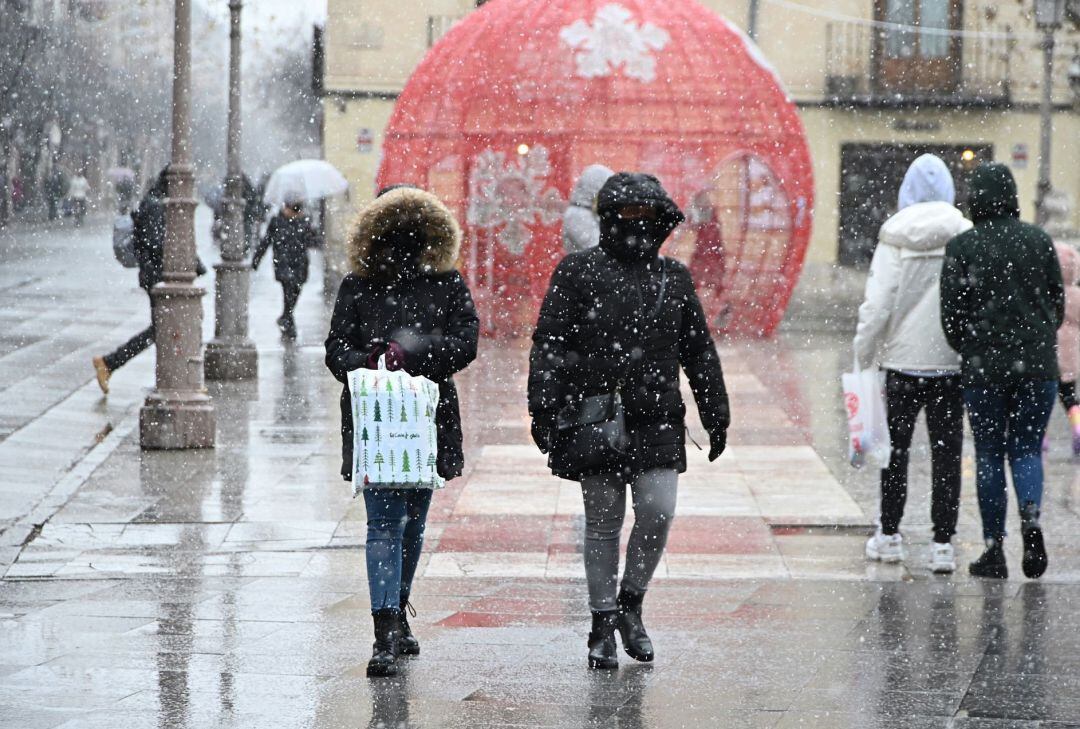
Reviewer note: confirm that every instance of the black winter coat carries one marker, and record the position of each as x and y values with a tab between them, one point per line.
290	239
592	333
1002	297
148	237
429	312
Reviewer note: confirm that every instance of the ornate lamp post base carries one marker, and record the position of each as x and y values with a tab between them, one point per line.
231	355
178	413
177	421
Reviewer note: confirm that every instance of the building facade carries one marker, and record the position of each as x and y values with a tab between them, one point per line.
877	82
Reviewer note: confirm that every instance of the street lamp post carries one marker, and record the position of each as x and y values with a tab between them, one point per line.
231	355
178	413
1049	15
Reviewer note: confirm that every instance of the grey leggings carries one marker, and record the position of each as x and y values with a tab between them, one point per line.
605	505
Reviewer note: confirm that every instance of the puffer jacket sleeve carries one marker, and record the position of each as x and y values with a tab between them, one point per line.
1055	283
882	285
266	242
557	321
956	315
347	345
439	355
699	359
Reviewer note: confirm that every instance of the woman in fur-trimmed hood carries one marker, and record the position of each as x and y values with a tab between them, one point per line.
405	301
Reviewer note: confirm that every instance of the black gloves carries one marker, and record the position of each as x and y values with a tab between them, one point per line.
543	431
717	444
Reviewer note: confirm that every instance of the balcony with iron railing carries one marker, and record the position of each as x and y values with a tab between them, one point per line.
876	65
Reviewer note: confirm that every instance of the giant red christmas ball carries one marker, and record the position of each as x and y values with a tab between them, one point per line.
518	98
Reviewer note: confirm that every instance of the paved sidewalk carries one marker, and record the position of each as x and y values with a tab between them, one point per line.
225	588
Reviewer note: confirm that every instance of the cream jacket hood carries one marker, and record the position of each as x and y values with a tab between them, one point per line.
900	319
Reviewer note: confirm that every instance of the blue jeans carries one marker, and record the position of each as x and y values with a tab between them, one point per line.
396	519
1008	420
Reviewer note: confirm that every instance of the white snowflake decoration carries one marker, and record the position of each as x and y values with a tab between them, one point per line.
615	41
511	195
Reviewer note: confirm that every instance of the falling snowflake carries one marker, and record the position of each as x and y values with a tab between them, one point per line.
511	195
615	41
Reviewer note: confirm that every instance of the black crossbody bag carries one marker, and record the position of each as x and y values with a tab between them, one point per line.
591	433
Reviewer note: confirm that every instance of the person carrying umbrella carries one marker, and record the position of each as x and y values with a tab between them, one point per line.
290	234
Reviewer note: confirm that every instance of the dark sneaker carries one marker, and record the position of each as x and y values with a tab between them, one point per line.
992	562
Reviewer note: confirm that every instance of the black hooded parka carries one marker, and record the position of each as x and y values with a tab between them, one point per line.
1002	296
594	332
404	288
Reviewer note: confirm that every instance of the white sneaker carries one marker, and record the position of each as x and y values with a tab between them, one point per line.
885	547
942	558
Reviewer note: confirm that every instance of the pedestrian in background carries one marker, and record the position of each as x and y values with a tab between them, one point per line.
78	191
1069	340
148	231
617	322
290	235
900	331
56	186
1002	301
581	227
405	301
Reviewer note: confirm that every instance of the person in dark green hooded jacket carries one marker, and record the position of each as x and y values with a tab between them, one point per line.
1002	301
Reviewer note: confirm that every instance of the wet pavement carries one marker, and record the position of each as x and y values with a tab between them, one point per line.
226	588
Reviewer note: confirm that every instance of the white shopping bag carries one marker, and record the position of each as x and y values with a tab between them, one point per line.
394	438
868	425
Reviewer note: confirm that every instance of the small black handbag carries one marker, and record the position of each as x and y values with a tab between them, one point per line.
591	434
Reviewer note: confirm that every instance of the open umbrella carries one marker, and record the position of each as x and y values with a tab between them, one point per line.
304	180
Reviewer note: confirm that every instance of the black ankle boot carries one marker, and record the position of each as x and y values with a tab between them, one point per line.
1034	563
408	645
384	652
602	650
635	640
991	563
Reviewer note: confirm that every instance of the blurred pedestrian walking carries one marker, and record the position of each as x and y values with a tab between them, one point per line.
616	324
290	235
581	227
1002	301
78	193
56	187
148	231
900	330
405	302
1069	340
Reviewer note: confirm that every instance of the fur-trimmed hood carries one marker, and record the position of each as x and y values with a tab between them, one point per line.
403	212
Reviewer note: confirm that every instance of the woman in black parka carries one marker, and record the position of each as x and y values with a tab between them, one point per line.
620	317
404	301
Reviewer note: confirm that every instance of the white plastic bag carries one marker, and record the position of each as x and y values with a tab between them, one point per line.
394	438
868	424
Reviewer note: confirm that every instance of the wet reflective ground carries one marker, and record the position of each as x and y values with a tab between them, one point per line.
225	588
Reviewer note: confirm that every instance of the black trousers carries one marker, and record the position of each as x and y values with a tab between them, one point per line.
136	345
291	292
942	398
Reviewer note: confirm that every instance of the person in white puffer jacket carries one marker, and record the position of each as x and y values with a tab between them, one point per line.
900	330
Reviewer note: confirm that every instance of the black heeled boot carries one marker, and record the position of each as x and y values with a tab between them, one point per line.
635	640
408	645
1035	561
603	653
992	562
384	652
